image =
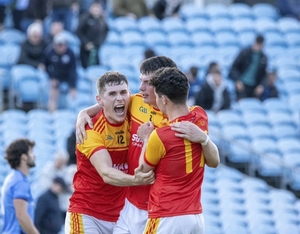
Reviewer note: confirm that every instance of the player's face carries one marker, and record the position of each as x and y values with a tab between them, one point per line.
30	159
147	90
115	100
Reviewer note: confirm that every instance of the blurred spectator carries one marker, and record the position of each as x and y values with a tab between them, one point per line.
48	215
62	10
149	53
55	167
33	48
92	31
60	63
71	147
289	8
3	5
133	8
194	82
56	27
18	8
36	12
166	8
84	5
270	89
248	70
213	94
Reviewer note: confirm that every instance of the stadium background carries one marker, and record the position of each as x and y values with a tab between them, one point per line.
256	188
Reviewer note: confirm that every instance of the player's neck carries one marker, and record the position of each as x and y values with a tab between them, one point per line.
174	111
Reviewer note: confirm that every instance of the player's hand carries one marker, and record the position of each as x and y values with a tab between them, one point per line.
145	130
189	131
141	177
82	119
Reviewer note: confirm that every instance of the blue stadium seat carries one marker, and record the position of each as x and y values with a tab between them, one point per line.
243	25
259	130
171	24
278	117
287	145
292	162
39	115
274	39
249	104
217	10
246	38
197	25
203	39
27	85
179	39
285	131
240	151
149	24
292	87
11	35
107	50
124	24
226	39
261	10
239	11
265	25
285	74
190	11
278	104
186	62
95	71
155	38
132	38
228	117
255	118
288	25
270	165
9	56
220	25
294	101
292	39
113	38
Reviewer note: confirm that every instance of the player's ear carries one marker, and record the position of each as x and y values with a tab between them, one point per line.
99	100
164	99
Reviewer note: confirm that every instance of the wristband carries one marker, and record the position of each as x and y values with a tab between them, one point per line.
206	141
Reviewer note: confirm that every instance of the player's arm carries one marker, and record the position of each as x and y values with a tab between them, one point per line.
101	160
23	217
83	118
144	132
193	133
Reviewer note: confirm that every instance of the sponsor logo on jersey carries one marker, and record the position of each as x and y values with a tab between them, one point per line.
136	141
109	137
121	166
119	133
143	109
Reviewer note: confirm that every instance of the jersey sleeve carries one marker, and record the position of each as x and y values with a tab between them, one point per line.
19	191
155	150
92	144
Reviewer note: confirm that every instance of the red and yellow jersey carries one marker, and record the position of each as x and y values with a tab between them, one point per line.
140	113
92	196
179	169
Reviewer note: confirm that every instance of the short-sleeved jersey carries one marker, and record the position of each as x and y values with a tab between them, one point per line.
15	186
140	113
179	170
92	196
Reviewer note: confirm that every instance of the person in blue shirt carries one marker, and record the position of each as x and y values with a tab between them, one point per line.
17	204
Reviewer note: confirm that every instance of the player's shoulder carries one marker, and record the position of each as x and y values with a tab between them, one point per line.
199	110
98	120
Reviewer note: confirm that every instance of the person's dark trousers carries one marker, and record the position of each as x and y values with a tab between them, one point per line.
248	92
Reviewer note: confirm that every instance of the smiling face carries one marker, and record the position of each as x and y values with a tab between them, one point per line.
147	90
115	99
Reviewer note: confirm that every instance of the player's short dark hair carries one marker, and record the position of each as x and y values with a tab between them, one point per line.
259	39
14	151
152	64
171	82
110	78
